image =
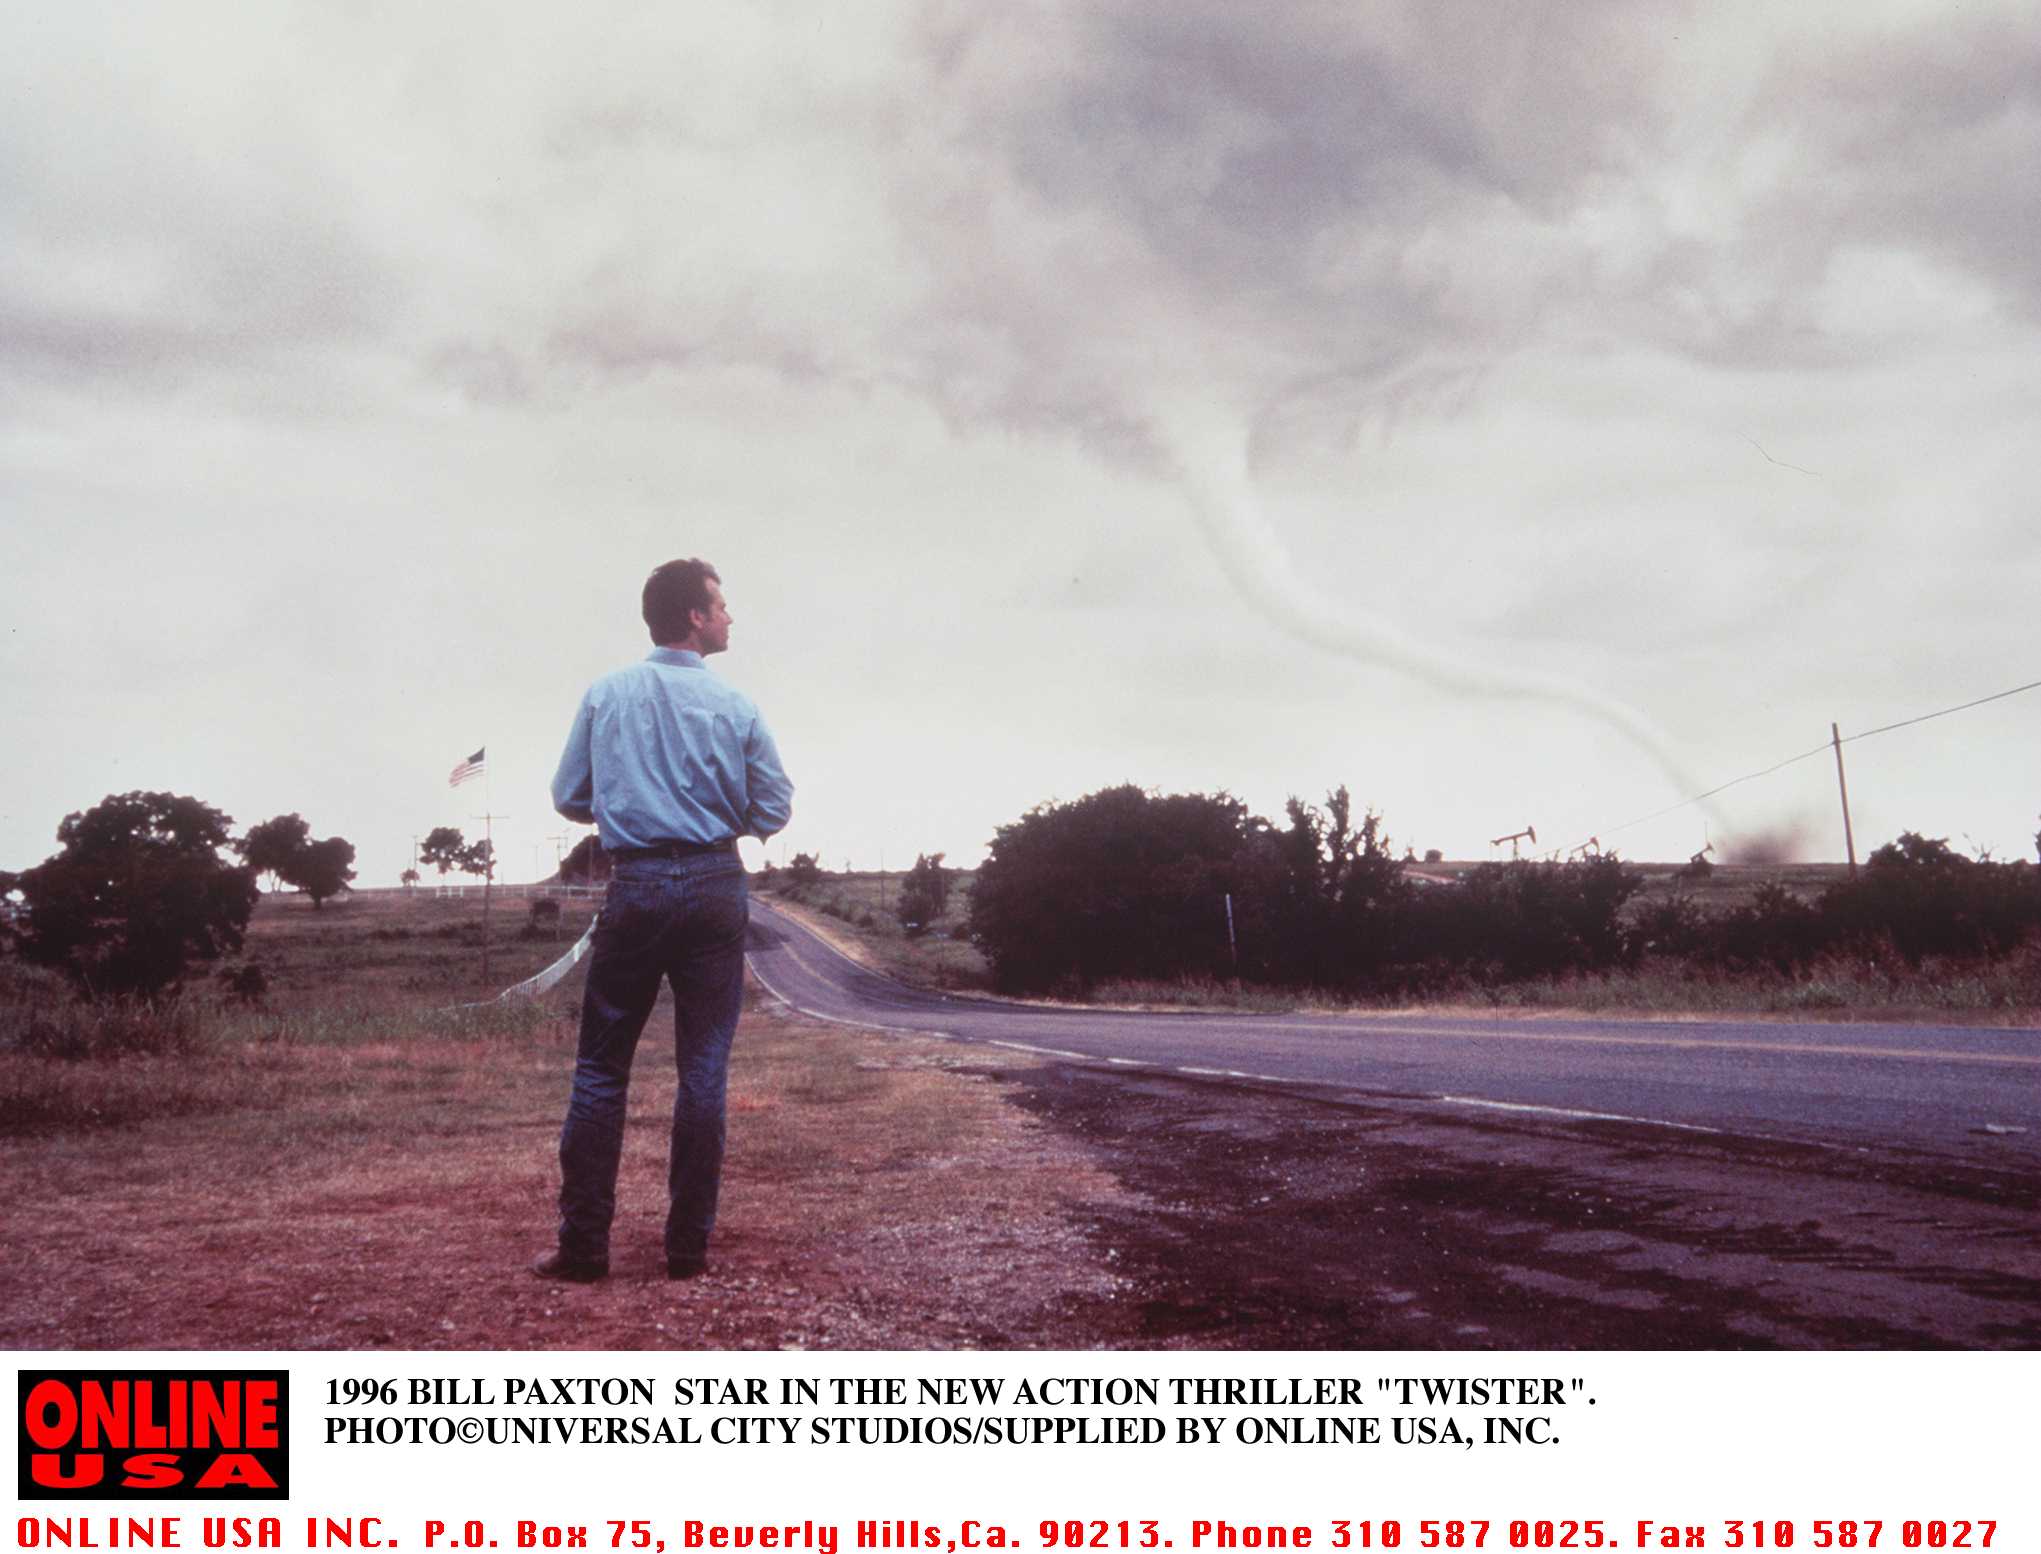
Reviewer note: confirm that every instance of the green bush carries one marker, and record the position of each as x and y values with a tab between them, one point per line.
138	890
1777	930
1511	921
1121	884
1925	898
1130	886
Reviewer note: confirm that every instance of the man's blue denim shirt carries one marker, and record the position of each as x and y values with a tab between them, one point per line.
663	751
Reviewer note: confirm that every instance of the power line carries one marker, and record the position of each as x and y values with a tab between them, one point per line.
1720	788
1909	722
1819	749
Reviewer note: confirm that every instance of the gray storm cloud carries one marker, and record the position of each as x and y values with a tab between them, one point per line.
1352	198
1340	204
1107	203
1191	237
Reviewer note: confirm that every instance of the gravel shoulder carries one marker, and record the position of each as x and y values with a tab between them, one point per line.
1276	1219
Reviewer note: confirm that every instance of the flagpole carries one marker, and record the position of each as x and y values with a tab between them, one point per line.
478	765
489	842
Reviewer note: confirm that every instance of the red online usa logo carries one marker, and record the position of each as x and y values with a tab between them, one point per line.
132	1435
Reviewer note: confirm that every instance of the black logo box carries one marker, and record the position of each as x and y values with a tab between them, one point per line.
192	1462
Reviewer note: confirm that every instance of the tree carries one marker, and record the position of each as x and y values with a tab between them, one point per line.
273	846
138	889
445	848
1121	883
1335	896
323	868
442	848
923	894
283	849
587	862
1911	850
1926	898
408	879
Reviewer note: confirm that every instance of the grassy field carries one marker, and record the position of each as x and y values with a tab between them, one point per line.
363	969
358	1161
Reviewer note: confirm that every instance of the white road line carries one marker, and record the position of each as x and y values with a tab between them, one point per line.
1573	1112
837	1019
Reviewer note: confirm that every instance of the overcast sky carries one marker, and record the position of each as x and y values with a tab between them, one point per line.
1525	415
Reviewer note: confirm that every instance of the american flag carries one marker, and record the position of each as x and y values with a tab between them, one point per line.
472	767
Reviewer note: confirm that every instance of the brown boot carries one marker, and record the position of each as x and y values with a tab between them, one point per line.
568	1270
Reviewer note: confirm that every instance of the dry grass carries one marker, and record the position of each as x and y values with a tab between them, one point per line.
347	1168
360	970
2005	992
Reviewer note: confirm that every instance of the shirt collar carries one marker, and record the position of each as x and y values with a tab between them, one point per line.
686	658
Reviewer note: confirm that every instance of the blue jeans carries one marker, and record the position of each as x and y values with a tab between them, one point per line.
680	920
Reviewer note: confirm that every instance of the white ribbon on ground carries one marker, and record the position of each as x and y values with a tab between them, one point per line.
531	987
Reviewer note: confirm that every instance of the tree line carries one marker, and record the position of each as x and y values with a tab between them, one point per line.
1128	884
139	888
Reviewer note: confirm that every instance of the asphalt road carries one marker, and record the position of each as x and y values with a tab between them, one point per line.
1968	1092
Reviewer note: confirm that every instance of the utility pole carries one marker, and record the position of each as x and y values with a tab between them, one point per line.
1835	735
488	879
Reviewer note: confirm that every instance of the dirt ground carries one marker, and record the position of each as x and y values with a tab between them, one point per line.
391	1196
1282	1219
889	1192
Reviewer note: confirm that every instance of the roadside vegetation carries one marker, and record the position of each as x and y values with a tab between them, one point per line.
864	910
1188	900
302	982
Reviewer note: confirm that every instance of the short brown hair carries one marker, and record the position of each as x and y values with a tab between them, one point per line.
672	594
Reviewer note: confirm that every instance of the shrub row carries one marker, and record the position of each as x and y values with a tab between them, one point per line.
1125	885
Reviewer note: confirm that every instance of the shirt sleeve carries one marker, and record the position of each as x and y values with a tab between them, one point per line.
769	795
574	781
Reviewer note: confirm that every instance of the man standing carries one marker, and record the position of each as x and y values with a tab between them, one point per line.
672	766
